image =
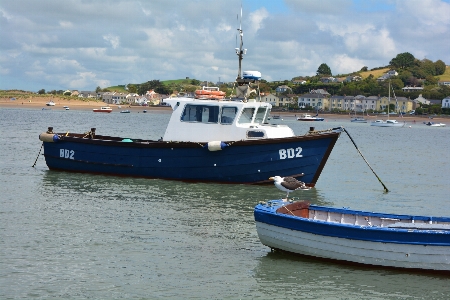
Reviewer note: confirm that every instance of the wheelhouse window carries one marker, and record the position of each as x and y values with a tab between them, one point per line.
247	115
261	115
200	113
228	114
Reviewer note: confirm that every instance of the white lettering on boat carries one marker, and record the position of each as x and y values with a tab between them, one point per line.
290	153
66	153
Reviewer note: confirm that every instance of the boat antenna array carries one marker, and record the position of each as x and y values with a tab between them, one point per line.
242	85
240	51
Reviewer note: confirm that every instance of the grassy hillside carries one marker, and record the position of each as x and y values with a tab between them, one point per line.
117	89
446	75
177	81
375	73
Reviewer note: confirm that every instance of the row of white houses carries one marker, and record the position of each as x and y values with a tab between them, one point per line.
320	99
150	98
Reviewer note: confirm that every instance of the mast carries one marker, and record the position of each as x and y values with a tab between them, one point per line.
240	51
389	96
243	89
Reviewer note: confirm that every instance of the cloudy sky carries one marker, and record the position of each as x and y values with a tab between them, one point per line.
82	44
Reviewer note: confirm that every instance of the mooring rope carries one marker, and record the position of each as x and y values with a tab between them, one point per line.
37	156
385	188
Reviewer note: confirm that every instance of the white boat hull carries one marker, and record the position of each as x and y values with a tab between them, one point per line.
388	123
355	251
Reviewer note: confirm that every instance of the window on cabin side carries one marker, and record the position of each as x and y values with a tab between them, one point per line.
261	116
228	114
247	115
200	113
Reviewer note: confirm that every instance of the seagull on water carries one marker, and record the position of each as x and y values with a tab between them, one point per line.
288	184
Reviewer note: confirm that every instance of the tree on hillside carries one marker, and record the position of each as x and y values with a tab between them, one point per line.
440	67
195	82
41	91
132	88
431	80
428	67
98	89
397	83
364	69
402	60
323	69
164	90
149	85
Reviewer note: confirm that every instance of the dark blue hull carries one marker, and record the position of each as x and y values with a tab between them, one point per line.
240	162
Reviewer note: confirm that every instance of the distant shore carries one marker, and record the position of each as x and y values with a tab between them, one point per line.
75	104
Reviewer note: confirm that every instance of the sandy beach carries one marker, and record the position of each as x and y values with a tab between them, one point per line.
75	104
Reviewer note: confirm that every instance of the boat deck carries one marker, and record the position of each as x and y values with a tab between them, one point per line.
360	218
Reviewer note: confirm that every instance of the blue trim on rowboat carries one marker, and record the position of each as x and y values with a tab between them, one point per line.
266	213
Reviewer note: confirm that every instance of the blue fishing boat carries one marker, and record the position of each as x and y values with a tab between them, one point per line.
352	236
208	139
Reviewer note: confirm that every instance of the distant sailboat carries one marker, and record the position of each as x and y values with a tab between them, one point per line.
388	122
358	119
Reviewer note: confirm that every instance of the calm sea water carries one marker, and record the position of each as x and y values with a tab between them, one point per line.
78	236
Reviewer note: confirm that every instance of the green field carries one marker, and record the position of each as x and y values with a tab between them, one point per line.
446	75
117	89
177	81
375	73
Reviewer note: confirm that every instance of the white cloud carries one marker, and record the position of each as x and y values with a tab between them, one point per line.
66	24
257	18
341	64
114	40
90	43
4	71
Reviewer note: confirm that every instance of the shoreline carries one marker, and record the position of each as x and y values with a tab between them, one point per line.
39	103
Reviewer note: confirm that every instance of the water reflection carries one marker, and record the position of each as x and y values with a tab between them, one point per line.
302	277
206	195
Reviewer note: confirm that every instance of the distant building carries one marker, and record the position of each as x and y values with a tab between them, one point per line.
87	94
412	88
447	83
446	102
387	75
298	81
282	88
352	78
272	99
422	100
314	100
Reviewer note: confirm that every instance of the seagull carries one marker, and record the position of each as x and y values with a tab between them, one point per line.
288	184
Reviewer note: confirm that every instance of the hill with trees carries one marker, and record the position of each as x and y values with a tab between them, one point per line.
411	72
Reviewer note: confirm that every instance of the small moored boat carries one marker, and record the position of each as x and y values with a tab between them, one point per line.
341	234
358	120
432	124
125	111
387	123
50	103
307	117
104	109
